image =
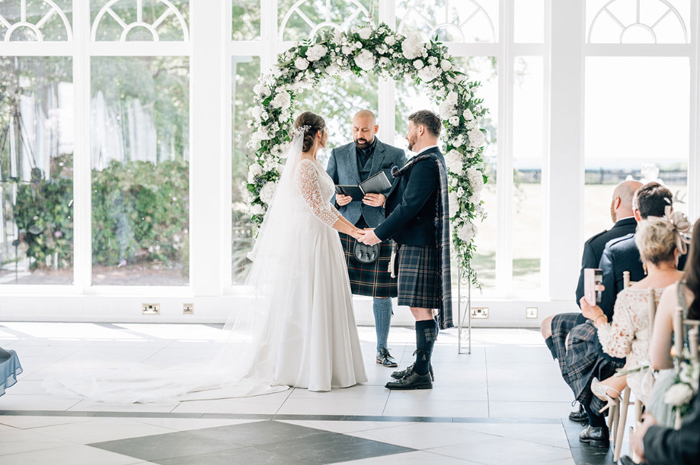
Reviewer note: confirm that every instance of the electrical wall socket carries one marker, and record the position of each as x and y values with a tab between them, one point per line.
480	312
150	309
531	313
188	309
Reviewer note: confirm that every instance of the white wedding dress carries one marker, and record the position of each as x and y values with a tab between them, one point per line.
297	328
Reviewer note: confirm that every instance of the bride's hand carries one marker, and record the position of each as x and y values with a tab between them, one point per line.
358	234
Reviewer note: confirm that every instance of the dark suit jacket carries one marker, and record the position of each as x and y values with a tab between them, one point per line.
593	248
621	255
411	204
342	168
669	446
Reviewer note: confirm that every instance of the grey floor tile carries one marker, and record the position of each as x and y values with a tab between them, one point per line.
257	434
333	448
246	456
165	446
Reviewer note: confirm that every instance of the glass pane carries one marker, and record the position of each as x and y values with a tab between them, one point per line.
449	20
628	138
529	21
140	170
246	20
410	98
155	21
635	22
48	22
528	152
36	170
301	20
337	100
245	70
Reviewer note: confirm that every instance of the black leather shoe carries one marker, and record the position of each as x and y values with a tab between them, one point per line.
411	382
579	416
384	358
409	370
626	460
597	436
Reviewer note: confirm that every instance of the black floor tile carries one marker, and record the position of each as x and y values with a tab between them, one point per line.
333	448
166	446
257	433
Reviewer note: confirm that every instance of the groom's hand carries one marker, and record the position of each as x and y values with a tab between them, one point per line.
342	200
370	238
374	200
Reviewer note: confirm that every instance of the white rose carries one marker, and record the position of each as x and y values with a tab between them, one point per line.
281	100
454	121
476	180
301	63
412	47
316	52
476	138
418	64
365	60
466	232
446	65
267	193
257	209
454	204
390	40
253	171
468	115
365	33
358	45
452	97
678	394
447	110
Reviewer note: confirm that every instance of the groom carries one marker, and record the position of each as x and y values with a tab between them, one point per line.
418	220
352	164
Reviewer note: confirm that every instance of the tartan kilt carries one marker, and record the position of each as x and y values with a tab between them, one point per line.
370	279
419	276
584	359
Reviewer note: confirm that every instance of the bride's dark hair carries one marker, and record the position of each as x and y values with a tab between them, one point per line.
314	123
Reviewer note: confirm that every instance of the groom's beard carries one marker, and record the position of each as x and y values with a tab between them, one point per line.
411	143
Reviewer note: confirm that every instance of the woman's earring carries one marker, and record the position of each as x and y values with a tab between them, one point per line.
644	265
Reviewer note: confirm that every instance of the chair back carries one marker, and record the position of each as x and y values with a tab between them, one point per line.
681	327
626	279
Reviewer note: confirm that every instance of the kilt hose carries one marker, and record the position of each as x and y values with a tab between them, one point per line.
419	276
370	279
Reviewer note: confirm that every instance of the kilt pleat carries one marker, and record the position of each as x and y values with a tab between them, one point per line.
419	277
373	279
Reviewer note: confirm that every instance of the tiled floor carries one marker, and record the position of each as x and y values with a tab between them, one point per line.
503	403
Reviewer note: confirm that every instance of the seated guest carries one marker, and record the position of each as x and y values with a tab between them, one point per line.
556	328
659	241
621	254
657	445
677	295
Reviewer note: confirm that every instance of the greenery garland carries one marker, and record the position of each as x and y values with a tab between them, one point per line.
391	56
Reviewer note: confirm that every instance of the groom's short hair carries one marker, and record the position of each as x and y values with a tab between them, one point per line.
429	120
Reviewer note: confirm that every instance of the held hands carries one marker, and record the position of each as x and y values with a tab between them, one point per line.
369	238
342	200
374	200
358	234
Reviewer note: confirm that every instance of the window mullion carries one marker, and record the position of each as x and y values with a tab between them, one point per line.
694	145
387	87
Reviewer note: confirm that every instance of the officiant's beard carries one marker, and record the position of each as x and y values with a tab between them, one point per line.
362	143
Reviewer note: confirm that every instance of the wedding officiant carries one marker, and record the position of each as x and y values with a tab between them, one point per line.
350	165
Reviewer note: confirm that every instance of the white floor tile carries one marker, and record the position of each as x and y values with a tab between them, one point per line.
29	422
418	435
36	402
498	451
421	404
345	426
18	441
100	430
72	455
413	458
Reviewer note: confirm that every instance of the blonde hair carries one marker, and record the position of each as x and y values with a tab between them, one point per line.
656	240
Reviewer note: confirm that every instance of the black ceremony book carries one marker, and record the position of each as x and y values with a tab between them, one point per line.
372	185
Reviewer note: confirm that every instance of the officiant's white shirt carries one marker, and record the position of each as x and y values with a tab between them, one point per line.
425	148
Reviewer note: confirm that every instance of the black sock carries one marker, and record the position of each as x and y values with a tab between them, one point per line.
595	419
550	346
426	334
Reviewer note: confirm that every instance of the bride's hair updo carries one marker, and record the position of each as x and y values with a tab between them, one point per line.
313	123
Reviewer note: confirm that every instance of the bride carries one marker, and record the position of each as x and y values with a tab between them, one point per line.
298	327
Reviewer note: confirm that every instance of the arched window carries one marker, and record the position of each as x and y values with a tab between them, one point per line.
36	21
158	20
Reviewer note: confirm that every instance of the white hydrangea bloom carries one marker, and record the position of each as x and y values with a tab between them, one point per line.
476	180
447	110
267	192
316	52
412	47
679	394
476	138
452	97
466	232
333	70
282	100
253	171
429	73
454	162
257	209
365	60
454	204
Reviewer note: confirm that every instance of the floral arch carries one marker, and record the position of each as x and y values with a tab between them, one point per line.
390	55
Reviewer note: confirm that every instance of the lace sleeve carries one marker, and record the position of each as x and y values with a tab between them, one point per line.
616	337
310	189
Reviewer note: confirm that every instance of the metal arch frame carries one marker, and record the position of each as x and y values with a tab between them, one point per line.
36	28
671	9
327	23
107	9
446	24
